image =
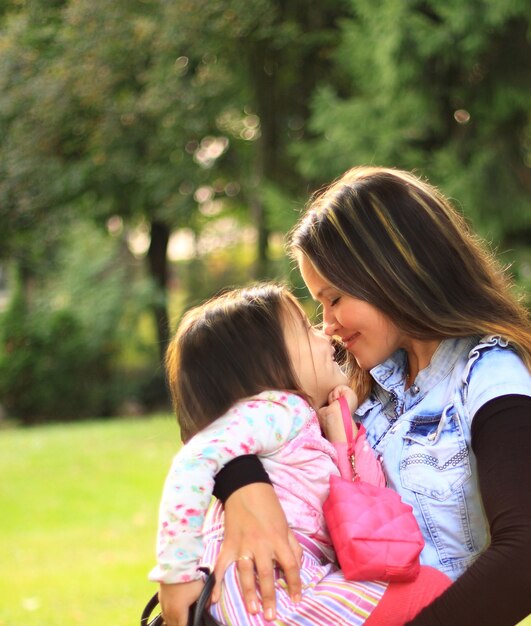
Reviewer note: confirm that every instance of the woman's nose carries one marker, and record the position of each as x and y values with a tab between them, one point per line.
329	323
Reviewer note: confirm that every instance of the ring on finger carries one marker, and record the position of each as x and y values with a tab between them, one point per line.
245	557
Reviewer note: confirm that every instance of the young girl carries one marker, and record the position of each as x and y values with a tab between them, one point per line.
247	372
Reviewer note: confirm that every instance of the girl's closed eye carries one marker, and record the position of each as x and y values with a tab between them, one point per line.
334	301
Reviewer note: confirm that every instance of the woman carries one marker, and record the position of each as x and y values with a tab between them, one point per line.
440	350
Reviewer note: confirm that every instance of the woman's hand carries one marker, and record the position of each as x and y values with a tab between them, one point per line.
176	600
257	535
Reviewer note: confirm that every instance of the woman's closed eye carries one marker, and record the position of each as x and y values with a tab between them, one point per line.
334	301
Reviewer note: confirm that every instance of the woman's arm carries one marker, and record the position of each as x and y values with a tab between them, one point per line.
241	471
496	589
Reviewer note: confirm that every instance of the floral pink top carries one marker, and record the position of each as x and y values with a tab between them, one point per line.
283	430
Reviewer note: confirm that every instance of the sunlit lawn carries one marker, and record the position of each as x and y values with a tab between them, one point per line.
78	520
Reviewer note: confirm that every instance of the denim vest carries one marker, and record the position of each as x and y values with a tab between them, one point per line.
423	437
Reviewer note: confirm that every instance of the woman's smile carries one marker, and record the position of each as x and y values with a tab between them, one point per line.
350	340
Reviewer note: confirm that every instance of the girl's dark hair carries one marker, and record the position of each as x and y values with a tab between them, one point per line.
227	349
393	240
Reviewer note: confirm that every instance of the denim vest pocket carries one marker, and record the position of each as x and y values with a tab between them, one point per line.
435	458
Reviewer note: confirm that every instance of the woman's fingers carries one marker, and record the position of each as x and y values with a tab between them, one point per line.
265	572
284	554
291	567
246	573
255	526
226	556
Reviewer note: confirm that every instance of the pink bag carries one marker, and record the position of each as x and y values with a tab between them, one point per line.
375	534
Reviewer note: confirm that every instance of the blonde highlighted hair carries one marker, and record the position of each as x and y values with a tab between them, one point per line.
389	238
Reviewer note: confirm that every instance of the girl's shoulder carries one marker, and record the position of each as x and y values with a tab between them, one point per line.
275	400
493	369
271	407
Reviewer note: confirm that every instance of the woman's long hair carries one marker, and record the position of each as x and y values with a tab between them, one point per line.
228	349
387	237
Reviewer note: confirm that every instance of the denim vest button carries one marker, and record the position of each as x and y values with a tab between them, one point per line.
414	390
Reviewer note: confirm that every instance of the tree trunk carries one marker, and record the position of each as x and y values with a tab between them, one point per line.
158	269
281	94
263	75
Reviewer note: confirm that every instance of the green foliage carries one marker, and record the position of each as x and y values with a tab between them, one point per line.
442	88
26	180
48	369
60	348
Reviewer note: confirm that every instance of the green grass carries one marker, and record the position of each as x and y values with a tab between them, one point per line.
78	520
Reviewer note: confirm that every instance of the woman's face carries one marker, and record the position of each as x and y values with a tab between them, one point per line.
367	333
312	357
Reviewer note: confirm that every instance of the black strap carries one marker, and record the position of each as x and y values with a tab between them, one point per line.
199	610
146	613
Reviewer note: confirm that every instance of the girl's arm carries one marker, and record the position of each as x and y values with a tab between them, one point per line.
257	426
176	600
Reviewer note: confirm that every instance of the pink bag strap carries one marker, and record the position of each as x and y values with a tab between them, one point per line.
347	423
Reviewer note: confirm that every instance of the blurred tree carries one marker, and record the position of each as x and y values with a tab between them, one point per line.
282	78
30	225
142	109
173	114
271	55
85	128
177	114
58	357
133	123
440	87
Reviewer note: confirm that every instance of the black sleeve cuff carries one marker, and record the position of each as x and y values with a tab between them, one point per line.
241	471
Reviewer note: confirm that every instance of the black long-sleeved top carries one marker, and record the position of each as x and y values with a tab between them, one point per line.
496	589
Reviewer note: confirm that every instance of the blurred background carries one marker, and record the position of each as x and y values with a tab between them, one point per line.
153	152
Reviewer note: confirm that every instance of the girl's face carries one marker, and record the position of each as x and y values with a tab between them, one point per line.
312	357
367	333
